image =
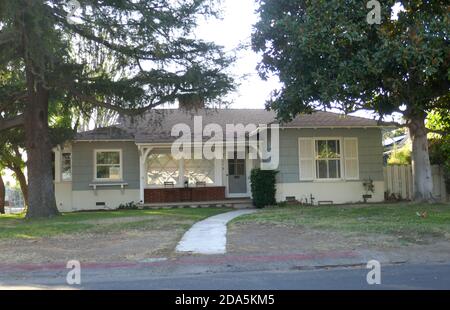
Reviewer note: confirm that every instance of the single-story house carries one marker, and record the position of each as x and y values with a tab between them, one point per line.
324	156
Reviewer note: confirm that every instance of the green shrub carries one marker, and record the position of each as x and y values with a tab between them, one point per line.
401	156
263	184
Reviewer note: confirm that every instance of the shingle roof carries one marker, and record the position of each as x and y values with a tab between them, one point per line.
156	125
328	119
106	133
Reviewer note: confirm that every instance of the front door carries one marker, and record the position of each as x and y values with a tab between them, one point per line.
237	177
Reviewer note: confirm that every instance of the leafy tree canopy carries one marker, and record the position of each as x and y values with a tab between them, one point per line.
128	56
122	55
327	55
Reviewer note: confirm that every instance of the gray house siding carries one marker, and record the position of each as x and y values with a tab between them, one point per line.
83	164
370	151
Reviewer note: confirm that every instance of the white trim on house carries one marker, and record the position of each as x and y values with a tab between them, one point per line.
120	179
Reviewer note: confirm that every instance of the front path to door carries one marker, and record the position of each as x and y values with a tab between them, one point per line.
209	236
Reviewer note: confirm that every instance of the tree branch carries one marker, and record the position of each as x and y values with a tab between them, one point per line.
392	124
120	110
9	123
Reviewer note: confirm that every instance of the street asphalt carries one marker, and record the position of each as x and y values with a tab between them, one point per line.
393	277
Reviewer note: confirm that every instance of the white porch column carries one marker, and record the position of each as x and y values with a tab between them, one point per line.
181	175
218	169
143	154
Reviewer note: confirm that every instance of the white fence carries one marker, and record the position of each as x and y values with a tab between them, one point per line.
398	181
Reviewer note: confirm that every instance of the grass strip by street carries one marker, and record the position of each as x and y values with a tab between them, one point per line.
16	226
408	222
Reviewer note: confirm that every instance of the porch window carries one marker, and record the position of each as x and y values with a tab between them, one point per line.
328	159
162	169
199	171
108	165
66	167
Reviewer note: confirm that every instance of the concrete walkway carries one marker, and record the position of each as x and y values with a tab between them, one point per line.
209	236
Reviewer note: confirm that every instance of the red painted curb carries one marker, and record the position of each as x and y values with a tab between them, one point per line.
192	260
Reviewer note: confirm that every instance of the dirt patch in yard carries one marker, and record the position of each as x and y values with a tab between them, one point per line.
115	247
119	245
267	239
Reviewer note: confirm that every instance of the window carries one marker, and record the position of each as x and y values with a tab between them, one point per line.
162	168
199	171
66	167
108	165
236	167
328	159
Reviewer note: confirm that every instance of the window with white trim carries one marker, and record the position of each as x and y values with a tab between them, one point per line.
66	167
328	159
108	165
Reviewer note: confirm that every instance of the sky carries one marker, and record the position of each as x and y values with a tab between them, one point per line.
234	29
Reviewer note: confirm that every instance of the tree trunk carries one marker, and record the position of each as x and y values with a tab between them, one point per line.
41	193
423	181
20	176
2	195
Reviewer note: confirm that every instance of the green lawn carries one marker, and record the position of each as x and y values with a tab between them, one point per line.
400	220
16	226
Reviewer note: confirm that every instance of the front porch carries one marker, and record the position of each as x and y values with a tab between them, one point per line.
166	180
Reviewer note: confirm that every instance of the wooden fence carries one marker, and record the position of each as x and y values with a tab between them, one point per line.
398	181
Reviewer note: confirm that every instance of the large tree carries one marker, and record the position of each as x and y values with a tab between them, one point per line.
123	55
327	55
